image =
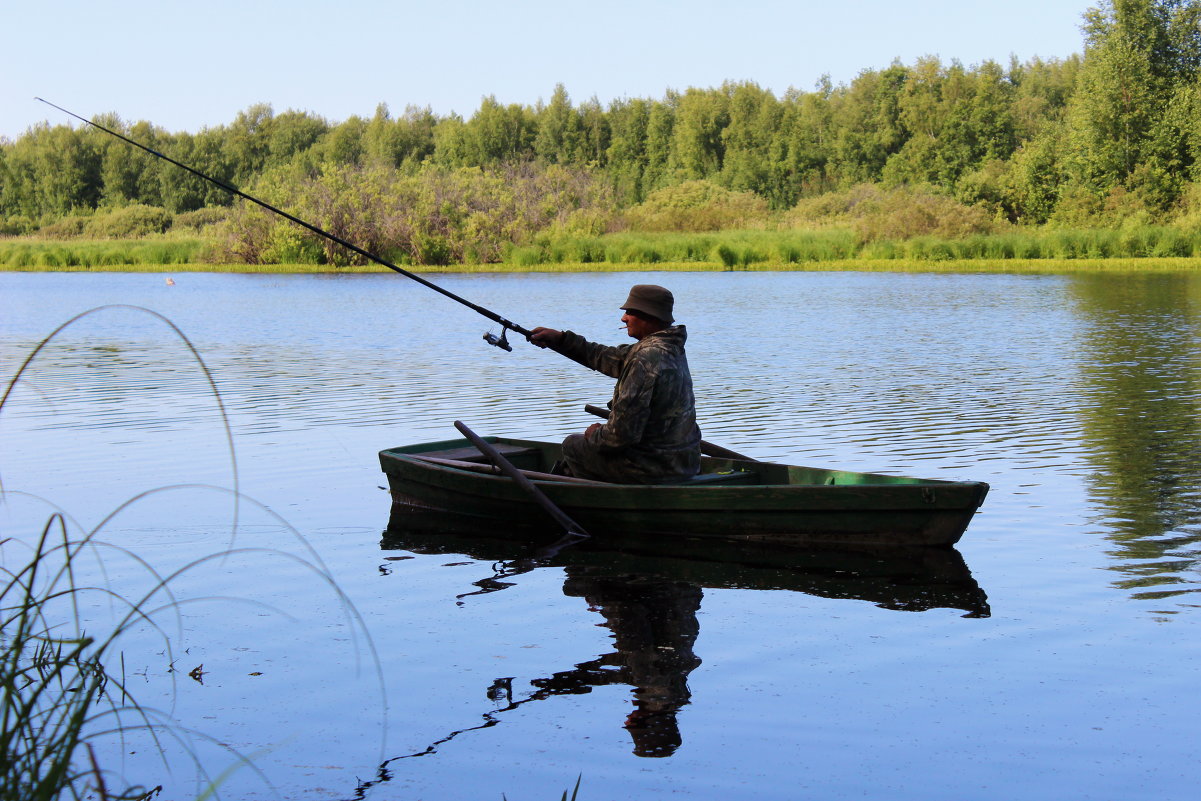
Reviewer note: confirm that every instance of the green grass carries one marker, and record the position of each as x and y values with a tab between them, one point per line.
837	265
82	254
1019	250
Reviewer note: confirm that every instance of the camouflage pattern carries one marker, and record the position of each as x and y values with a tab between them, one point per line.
651	436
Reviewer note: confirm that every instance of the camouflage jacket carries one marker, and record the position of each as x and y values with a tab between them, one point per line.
652	416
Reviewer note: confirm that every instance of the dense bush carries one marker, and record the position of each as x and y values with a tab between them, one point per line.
129	222
433	216
876	213
200	219
697	206
70	227
17	225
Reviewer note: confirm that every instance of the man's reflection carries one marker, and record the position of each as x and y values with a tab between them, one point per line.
650	603
654	628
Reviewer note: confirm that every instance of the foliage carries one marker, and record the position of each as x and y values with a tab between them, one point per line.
200	219
903	213
730	249
42	254
1105	138
783	249
436	216
1188	217
129	222
697	206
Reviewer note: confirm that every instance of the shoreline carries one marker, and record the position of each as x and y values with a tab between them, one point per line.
1033	266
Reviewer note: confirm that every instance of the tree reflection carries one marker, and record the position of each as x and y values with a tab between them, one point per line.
1140	364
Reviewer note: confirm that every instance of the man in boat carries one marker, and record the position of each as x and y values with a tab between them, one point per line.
651	436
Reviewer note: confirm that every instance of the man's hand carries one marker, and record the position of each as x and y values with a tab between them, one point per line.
546	337
592	429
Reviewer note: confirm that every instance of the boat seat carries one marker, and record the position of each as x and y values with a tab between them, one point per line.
472	454
735	477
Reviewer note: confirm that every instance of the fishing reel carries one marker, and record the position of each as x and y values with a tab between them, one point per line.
499	341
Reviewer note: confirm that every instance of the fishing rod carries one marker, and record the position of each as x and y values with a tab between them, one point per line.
490	338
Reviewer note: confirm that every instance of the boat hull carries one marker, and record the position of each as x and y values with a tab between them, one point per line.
732	500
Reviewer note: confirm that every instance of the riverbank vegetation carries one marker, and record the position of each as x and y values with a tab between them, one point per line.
1095	156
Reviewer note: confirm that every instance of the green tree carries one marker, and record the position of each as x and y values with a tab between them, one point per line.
754	116
396	142
660	125
802	146
596	133
560	133
52	172
497	133
1036	175
1138	55
345	143
626	158
127	174
451	147
1041	93
290	134
697	148
247	143
867	123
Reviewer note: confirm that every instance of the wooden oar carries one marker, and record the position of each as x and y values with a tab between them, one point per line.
574	531
707	448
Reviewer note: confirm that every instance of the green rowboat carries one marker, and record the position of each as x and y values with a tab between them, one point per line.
731	499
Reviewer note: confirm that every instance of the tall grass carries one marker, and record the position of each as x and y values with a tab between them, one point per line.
36	254
66	693
724	250
57	687
807	249
730	249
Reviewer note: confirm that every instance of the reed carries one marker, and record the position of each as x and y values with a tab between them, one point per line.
63	671
1134	246
812	248
56	683
51	255
727	249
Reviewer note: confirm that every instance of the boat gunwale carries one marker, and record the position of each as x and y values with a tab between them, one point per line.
892	481
912	511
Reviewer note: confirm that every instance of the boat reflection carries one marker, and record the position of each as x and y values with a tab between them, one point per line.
903	578
649	598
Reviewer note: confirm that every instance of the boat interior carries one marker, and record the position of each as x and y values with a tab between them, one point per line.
539	458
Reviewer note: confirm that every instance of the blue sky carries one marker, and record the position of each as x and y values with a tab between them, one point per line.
184	66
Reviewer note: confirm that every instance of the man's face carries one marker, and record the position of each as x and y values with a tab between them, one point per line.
638	327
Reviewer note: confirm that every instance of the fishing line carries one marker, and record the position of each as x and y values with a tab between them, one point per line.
491	339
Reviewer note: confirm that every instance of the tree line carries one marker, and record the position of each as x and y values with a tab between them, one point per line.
1088	139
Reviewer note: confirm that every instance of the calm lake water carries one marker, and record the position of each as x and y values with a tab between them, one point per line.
1054	654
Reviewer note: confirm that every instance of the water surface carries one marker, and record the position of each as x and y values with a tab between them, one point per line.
1055	655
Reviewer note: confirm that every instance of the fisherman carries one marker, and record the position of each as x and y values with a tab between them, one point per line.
651	436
